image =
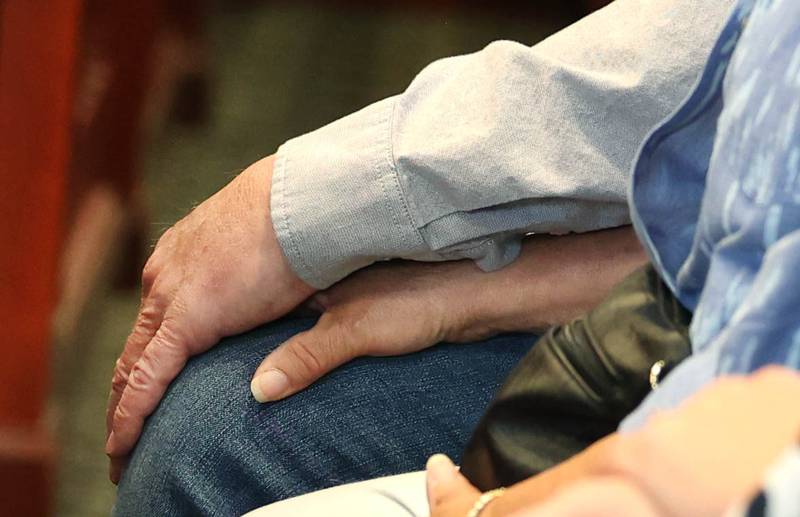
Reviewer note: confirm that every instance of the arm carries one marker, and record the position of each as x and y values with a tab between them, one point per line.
482	148
555	279
699	459
217	272
401	307
385	183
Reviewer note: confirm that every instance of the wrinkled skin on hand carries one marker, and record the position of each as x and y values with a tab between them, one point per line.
387	309
219	271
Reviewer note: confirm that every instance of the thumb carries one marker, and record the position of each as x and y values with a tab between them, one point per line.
443	480
302	360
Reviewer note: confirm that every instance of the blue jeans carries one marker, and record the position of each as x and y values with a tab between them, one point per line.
211	449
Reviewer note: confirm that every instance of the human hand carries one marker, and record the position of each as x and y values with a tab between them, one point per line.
402	307
713	450
449	492
602	496
698	459
389	308
218	271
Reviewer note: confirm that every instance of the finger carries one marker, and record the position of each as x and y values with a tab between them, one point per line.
439	470
147	323
151	270
116	467
443	480
303	359
162	360
148	320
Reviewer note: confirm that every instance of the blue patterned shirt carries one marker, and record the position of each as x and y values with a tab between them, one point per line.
715	198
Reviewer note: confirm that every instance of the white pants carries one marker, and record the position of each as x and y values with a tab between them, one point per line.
393	496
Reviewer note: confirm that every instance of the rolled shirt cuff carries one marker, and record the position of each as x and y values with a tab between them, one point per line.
346	167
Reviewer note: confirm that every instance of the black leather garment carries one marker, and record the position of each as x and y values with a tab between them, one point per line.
578	382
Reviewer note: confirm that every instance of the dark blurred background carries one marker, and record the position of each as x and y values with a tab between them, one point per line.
115	119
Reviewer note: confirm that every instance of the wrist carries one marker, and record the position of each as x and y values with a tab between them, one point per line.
500	304
479	304
258	183
554	280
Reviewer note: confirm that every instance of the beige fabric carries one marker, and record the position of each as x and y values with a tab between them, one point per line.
393	496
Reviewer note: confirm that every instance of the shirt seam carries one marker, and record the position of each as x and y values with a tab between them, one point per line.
305	270
398	185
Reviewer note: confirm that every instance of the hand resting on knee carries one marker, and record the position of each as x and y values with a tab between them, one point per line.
220	271
401	307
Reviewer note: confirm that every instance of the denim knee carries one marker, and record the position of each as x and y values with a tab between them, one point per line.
211	449
192	457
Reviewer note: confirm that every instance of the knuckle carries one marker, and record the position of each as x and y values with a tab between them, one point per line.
170	338
142	375
142	329
147	321
121	415
350	336
305	355
149	274
121	366
120	378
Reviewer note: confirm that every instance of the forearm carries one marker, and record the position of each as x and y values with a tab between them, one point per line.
555	279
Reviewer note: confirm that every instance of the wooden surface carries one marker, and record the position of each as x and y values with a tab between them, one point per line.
38	47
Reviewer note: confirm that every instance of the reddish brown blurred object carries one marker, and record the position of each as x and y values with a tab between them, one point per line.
74	75
38	50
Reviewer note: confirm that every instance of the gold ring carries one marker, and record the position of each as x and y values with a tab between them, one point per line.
484	500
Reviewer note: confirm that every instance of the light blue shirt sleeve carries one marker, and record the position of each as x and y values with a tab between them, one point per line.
483	148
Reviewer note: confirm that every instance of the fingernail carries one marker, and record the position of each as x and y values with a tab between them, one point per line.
269	385
440	469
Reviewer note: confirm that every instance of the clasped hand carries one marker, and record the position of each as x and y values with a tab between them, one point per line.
220	271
